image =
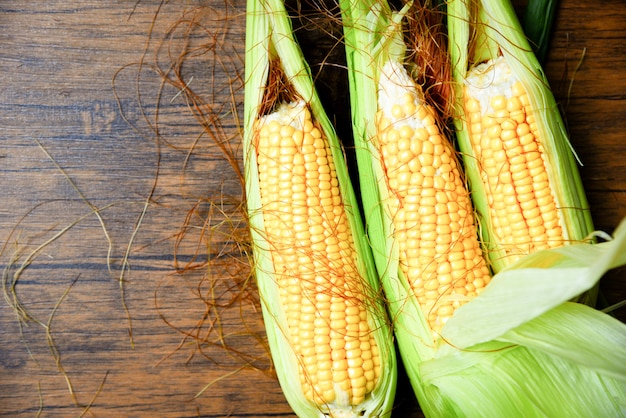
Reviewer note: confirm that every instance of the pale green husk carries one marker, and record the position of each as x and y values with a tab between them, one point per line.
270	35
521	348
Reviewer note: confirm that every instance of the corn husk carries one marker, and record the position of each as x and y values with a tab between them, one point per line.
270	37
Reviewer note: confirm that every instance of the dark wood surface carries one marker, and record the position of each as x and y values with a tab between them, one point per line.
113	194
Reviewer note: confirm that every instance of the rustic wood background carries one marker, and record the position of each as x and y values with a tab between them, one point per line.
124	291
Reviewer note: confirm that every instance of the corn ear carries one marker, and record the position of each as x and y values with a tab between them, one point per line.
376	52
329	379
496	64
372	37
519	348
418	211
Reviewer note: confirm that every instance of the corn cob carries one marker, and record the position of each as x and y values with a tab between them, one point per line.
523	174
433	220
314	259
430	257
324	318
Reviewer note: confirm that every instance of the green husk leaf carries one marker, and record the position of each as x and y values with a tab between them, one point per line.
579	334
493	380
533	286
567	362
517	352
270	36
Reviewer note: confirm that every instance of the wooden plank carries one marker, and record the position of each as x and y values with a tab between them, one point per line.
58	90
73	95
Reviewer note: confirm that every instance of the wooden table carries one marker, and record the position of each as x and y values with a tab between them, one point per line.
113	194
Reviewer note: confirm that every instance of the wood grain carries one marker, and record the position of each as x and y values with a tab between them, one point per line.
80	120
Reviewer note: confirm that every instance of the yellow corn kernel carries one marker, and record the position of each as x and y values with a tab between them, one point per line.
522	203
314	259
430	205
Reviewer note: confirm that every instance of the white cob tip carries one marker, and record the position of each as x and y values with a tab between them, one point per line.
397	88
292	113
489	79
